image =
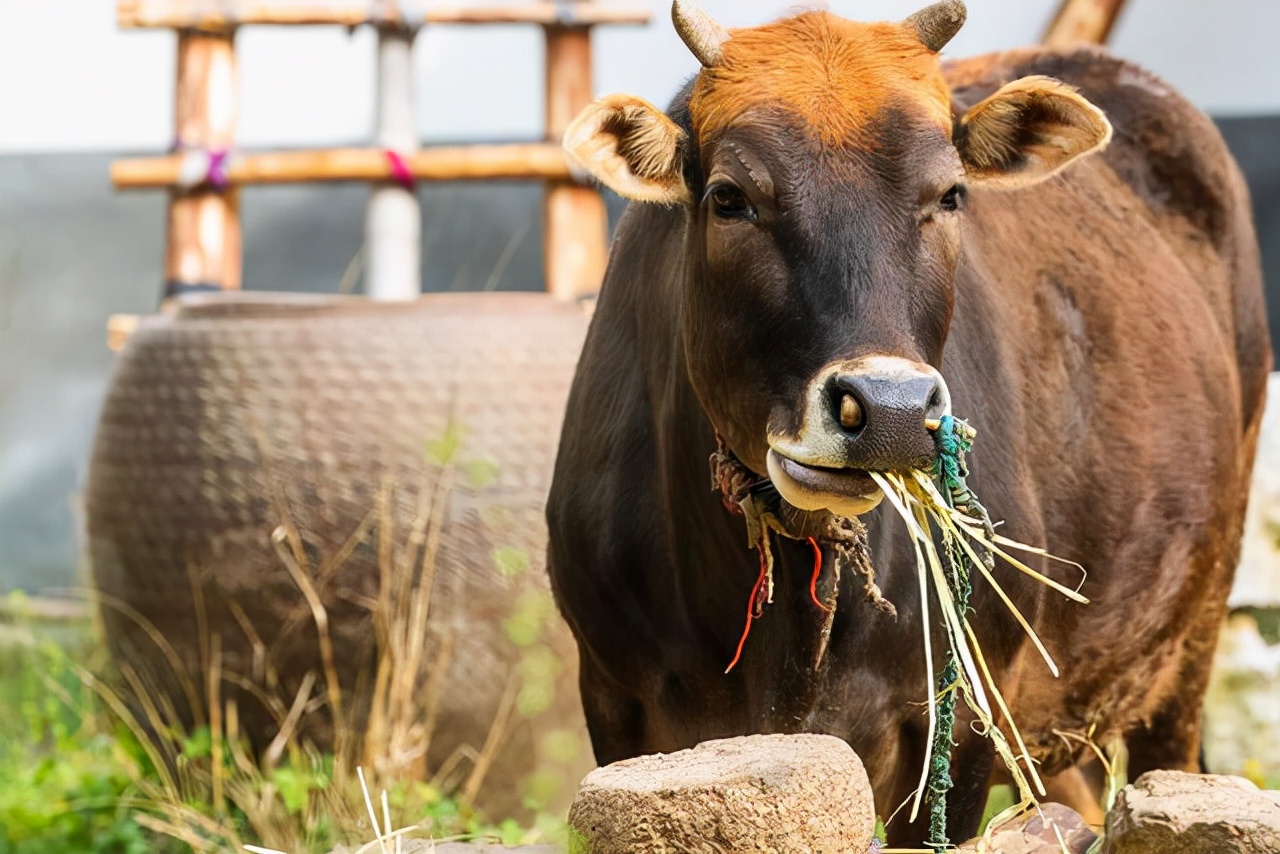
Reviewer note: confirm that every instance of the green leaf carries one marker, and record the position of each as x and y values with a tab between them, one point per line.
198	745
532	611
510	832
442	451
534	699
561	745
481	473
293	788
510	561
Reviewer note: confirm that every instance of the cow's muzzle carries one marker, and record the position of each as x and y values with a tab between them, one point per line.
871	414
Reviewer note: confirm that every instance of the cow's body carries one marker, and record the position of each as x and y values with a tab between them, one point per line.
1108	342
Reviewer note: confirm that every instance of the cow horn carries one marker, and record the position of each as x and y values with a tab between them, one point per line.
937	24
703	36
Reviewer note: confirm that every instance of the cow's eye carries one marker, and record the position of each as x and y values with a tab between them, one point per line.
728	202
952	199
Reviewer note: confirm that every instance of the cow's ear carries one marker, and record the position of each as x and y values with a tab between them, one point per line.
1026	131
631	147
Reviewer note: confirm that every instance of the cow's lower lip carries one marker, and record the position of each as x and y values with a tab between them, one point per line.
843	491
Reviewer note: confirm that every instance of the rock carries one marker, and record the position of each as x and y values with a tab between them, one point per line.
427	846
430	846
1172	811
774	793
1038	833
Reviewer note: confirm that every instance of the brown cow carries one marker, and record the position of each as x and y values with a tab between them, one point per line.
836	237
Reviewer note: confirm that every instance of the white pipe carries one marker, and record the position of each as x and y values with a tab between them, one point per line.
393	223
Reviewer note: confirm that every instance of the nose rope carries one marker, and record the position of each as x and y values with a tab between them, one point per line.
755	608
752	496
954	439
813	581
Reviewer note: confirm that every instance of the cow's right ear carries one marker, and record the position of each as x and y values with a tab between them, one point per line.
631	147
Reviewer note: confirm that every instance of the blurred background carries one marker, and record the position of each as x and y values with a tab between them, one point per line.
76	92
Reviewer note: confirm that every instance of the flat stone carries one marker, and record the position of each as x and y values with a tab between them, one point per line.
1046	831
802	794
1172	811
428	846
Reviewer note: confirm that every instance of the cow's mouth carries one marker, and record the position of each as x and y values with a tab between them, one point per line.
842	491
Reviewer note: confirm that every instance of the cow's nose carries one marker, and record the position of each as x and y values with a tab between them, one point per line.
884	415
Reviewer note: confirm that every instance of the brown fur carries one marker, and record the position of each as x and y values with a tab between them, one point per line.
832	73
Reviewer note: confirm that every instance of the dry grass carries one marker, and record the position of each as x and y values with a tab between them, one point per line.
209	791
915	498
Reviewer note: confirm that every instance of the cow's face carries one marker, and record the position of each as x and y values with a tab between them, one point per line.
824	181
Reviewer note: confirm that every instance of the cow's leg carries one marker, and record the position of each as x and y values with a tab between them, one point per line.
1170	738
615	719
1169	741
971	766
1073	788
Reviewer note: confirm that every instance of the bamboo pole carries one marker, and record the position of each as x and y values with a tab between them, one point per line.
219	14
393	219
1082	21
538	160
575	223
203	247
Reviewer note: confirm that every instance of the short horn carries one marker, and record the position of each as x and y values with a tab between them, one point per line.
937	24
703	36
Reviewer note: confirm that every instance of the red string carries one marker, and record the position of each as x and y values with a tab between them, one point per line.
752	611
817	571
400	171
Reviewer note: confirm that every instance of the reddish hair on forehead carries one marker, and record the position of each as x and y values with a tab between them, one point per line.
833	73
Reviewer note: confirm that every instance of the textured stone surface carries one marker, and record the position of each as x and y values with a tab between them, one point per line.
429	846
775	793
1171	811
1043	832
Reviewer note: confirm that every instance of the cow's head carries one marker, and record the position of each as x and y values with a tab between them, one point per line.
824	175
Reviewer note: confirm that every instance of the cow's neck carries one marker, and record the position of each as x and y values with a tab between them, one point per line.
713	572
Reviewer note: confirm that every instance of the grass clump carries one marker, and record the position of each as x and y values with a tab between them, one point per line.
94	758
66	768
82	770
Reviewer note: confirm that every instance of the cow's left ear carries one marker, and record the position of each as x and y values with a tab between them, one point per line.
631	147
1026	131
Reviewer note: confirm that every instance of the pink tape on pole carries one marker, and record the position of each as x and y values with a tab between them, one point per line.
218	169
400	172
204	166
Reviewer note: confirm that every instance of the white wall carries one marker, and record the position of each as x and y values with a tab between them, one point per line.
70	81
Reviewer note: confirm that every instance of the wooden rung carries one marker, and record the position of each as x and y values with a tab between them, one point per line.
536	160
119	328
1082	21
224	14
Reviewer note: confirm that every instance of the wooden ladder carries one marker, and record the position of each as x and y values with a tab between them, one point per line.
204	172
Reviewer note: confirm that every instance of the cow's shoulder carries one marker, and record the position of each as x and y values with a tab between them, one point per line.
1174	159
1166	149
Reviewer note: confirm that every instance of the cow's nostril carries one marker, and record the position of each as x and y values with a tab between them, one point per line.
851	416
935	400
